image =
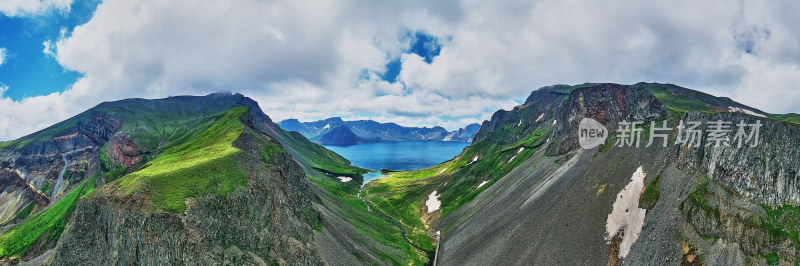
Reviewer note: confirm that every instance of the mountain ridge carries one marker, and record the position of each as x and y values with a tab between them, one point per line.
705	204
371	131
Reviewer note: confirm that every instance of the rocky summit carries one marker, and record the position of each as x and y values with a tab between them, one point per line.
683	177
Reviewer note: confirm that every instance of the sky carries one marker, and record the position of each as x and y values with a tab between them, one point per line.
416	63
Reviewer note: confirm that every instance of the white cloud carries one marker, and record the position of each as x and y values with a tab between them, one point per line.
307	60
13	8
49	48
2	56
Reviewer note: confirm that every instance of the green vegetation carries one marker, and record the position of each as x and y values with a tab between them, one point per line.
318	157
401	196
782	222
25	211
47	189
773	259
153	123
323	166
346	200
791	118
110	176
686	100
651	194
46	225
494	162
205	164
700	198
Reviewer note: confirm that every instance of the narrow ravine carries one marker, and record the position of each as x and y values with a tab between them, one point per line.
60	177
431	254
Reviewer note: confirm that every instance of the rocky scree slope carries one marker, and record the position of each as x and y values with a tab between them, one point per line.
525	192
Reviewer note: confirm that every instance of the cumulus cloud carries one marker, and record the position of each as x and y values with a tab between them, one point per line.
326	58
13	8
2	55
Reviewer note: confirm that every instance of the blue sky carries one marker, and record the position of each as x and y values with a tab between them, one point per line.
417	63
27	70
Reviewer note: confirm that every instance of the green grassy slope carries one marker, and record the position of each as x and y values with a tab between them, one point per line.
322	168
791	118
402	195
43	228
202	165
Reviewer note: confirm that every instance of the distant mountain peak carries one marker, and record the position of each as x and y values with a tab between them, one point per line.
372	131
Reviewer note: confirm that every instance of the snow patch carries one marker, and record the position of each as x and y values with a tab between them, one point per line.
515	155
344	179
482	183
327	126
433	202
442	171
626	215
474	159
746	111
554	122
520	123
541	116
449	137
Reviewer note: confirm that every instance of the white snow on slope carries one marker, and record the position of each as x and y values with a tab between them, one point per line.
746	111
433	202
327	126
515	155
482	183
540	117
626	215
474	159
345	179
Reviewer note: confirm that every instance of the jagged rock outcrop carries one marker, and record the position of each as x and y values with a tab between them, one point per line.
540	107
122	150
609	104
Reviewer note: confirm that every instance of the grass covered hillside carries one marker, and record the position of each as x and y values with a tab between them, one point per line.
204	164
214	168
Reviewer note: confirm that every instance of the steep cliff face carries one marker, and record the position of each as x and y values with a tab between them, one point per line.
16	195
608	104
268	221
43	166
767	173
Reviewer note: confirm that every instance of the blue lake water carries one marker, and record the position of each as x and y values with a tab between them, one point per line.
399	155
